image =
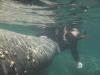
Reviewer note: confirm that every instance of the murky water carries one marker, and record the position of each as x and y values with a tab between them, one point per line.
63	64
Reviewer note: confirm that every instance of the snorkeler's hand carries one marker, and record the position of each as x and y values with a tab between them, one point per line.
79	65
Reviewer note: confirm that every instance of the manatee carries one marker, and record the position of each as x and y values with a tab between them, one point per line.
23	54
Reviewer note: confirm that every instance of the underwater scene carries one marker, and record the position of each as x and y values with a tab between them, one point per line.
49	37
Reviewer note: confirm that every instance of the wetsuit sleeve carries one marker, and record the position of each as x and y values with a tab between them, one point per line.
75	53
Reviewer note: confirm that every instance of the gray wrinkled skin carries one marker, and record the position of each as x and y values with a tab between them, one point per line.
22	55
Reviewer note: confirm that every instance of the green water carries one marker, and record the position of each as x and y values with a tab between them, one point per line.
63	64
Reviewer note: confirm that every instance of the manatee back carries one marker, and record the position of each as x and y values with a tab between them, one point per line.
21	54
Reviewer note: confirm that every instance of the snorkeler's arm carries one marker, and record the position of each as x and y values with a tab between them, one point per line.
76	56
75	53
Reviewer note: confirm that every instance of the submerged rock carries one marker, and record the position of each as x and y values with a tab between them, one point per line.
24	55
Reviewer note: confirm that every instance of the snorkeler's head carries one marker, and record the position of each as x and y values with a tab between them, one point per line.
75	32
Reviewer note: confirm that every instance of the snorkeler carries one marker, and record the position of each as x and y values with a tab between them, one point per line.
67	38
71	37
